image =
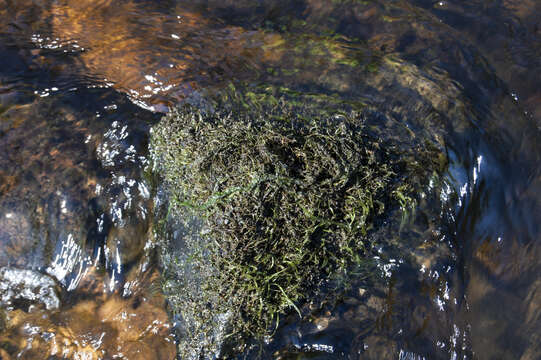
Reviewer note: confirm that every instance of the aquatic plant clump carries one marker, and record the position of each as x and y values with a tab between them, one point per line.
285	197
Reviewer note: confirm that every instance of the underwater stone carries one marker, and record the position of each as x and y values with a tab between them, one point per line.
27	285
267	201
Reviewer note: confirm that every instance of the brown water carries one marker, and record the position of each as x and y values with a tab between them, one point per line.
82	82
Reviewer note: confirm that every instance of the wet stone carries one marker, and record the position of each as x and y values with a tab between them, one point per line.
58	199
220	215
19	285
97	326
379	347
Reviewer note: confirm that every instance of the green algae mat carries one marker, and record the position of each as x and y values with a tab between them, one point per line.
273	196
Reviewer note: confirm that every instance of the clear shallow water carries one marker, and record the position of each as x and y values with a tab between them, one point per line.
79	81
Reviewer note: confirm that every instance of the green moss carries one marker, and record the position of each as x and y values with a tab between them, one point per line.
276	196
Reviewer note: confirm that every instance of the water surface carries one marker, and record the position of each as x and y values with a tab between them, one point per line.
82	82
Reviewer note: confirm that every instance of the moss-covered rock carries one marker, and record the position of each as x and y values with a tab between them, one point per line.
270	197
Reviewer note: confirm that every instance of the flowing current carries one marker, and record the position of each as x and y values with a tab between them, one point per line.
82	83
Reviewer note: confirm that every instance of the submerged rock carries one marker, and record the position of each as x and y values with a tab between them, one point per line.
271	200
34	325
71	184
19	285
